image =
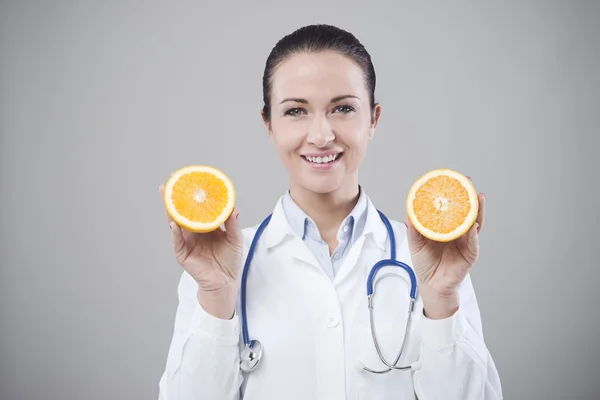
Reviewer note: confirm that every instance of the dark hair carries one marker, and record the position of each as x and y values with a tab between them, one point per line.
316	38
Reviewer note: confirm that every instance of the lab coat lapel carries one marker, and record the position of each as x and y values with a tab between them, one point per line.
279	232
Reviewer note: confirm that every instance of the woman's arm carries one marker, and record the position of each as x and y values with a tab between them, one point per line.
203	358
455	362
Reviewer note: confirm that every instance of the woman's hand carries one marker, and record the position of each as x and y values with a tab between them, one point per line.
441	267
214	260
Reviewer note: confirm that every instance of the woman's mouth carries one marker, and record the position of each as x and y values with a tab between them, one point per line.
323	162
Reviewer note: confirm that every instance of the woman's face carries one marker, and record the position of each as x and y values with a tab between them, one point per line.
321	120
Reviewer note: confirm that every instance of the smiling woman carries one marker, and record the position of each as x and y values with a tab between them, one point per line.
301	288
323	91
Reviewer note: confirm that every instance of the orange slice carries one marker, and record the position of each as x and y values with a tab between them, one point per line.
442	205
199	198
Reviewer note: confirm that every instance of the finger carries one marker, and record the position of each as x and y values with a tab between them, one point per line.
481	214
177	236
233	231
416	241
473	242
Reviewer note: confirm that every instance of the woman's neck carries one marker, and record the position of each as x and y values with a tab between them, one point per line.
327	210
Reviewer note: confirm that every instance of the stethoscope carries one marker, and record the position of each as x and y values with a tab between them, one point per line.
252	352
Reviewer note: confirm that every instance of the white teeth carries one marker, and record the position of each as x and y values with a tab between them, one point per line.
322	160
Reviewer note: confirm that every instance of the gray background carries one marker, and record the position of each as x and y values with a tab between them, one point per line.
100	101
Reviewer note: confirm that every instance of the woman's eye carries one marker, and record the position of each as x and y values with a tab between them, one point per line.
294	112
343	109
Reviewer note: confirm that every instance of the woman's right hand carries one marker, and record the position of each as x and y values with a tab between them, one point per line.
213	260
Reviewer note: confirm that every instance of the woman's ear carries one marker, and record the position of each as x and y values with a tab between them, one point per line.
265	120
267	124
374	119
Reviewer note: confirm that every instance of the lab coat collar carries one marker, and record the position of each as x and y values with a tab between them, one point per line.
374	226
279	229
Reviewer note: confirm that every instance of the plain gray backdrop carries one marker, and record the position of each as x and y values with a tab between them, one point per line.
100	101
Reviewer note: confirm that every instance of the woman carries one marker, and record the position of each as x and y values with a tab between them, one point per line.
306	300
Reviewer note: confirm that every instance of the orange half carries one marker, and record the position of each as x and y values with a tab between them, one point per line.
199	198
442	205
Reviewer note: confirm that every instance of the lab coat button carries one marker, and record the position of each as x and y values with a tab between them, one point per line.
332	322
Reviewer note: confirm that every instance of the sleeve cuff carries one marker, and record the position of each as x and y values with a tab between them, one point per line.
224	331
443	332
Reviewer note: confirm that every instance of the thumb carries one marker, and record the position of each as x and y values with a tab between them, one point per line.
416	241
233	232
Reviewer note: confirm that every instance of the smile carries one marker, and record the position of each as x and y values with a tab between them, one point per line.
323	159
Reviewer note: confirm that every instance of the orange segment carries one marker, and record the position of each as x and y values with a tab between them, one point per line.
442	205
199	198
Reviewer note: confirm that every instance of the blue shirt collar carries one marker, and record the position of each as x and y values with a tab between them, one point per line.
303	225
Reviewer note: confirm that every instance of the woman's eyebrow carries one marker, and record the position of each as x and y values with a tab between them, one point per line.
295	100
342	97
333	100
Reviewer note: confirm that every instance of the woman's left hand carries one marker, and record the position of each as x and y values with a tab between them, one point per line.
441	267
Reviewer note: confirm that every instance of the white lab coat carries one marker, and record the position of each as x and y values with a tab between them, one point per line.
314	330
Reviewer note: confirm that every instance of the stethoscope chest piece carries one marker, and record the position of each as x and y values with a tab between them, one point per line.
250	356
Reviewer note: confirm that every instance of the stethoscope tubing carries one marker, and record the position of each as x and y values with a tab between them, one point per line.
250	344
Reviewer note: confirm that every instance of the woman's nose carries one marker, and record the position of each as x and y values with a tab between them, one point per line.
320	133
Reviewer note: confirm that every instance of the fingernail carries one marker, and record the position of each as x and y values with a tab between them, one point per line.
237	215
469	178
484	196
